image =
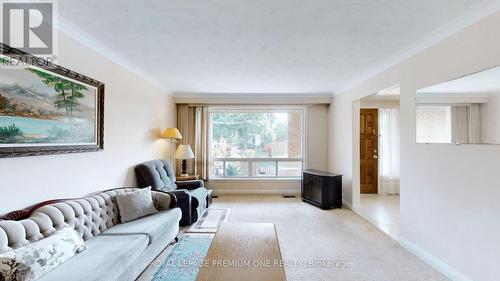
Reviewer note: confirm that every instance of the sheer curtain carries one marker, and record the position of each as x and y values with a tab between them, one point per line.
389	150
474	123
459	124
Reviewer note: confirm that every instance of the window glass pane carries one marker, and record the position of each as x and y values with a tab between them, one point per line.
289	169
256	134
264	169
236	169
217	168
252	143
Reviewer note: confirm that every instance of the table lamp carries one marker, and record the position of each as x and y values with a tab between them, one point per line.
184	152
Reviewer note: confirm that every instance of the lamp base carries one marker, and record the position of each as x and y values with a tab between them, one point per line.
184	167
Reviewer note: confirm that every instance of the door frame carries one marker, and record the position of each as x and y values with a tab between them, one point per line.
356	155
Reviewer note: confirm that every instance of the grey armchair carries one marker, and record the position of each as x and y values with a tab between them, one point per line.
192	197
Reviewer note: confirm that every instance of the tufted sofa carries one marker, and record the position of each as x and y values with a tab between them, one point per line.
114	251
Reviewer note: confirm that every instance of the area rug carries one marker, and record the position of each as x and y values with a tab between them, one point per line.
183	262
210	221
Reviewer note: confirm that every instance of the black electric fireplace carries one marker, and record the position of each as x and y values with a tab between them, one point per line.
322	189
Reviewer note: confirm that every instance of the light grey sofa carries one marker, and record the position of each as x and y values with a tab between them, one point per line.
114	251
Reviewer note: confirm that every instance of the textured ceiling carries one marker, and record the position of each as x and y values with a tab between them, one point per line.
260	46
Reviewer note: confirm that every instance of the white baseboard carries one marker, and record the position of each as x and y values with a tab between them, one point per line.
257	192
436	263
346	204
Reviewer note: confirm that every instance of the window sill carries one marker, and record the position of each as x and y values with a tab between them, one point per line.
253	179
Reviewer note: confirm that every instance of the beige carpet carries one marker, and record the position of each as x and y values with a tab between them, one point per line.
307	233
342	244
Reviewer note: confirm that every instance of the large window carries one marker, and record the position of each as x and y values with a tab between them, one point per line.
256	143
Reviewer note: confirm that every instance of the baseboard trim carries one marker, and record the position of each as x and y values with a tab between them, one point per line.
436	263
346	204
256	192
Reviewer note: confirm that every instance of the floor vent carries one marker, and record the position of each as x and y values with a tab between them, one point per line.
289	196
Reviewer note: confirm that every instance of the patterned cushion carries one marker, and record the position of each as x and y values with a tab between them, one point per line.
36	259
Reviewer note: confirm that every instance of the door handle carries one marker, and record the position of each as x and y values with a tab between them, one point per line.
375	157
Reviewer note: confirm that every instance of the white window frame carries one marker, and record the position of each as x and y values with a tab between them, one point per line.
250	161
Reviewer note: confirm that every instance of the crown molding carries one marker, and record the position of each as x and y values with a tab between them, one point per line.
453	27
91	42
253	98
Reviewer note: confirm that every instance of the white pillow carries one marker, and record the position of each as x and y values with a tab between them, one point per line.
34	260
136	204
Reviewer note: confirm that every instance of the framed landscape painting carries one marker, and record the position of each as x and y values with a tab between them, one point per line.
47	109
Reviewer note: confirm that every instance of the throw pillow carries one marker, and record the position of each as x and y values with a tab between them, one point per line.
36	259
136	204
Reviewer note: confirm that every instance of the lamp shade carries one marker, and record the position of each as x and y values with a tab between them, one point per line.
171	133
184	151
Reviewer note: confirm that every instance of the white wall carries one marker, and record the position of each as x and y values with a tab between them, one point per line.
134	111
316	154
317	137
449	195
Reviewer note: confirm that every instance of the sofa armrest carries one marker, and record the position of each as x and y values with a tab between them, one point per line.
164	201
184	198
190	184
187	203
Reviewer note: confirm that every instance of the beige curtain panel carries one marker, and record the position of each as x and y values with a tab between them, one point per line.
466	124
192	122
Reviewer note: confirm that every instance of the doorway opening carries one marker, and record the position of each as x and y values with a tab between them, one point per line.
379	163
